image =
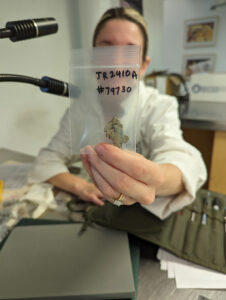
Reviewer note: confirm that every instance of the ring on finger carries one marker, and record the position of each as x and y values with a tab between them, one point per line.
119	200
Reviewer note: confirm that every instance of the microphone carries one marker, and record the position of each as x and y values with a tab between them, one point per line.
46	84
58	87
54	86
28	29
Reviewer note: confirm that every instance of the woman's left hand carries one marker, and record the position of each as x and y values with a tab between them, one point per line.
119	172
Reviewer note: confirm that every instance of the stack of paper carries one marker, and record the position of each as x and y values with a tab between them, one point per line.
189	275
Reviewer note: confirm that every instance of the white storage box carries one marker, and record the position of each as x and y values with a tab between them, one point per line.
208	87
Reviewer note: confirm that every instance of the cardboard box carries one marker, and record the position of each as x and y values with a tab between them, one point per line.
208	87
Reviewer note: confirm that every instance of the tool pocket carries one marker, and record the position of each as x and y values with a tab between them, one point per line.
191	233
217	235
179	226
203	241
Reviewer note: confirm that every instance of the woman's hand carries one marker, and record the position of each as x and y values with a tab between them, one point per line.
119	172
78	186
116	171
88	192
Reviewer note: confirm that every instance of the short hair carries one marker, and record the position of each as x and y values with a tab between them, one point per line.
126	13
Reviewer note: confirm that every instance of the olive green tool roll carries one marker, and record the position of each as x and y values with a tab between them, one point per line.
197	233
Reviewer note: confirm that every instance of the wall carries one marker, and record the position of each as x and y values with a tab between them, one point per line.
29	117
153	14
175	13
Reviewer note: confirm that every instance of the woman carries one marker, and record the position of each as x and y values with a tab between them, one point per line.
167	173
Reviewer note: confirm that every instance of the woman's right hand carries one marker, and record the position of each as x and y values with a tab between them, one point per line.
85	190
89	192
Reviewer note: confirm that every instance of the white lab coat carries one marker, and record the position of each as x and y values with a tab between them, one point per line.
159	139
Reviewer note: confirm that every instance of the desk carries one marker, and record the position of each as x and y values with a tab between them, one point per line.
204	126
153	283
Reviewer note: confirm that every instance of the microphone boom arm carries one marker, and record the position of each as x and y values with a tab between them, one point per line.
46	84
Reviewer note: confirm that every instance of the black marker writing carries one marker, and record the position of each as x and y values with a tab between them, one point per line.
118	73
113	90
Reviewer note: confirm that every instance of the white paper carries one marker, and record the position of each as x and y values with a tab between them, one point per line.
189	275
193	276
171	270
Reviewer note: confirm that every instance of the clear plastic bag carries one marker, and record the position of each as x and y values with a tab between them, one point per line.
104	109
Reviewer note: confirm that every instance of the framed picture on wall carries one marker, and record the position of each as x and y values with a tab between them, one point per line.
200	32
193	64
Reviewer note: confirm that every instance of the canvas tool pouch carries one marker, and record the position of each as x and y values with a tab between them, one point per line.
196	233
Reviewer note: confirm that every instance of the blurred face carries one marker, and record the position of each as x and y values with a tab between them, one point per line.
118	32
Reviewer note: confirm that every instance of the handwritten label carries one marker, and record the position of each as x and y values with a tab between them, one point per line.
120	74
114	74
113	90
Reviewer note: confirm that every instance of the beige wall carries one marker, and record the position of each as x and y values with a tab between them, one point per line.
153	13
